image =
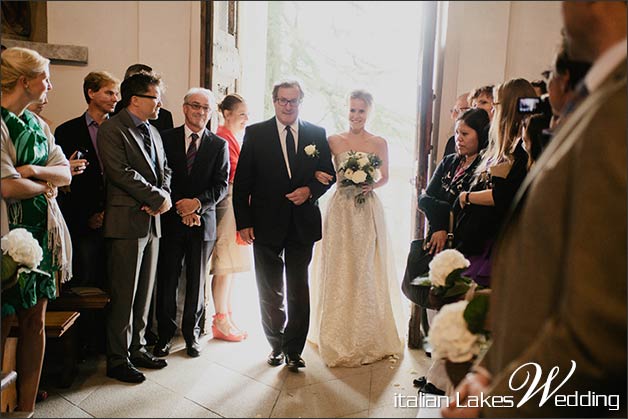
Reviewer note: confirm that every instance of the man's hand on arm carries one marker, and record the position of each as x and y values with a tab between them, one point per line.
299	195
191	220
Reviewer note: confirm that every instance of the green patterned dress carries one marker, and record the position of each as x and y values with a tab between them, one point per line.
31	145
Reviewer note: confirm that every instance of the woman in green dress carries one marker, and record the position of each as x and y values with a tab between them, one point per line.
32	168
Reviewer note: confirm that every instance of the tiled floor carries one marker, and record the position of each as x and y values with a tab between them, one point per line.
233	380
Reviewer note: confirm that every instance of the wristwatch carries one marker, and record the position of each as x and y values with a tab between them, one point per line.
466	198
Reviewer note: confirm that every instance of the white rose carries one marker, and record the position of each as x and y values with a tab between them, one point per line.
449	334
363	161
22	247
445	263
358	155
349	174
359	176
310	150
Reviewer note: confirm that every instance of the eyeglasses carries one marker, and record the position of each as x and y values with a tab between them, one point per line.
198	107
458	110
283	102
157	98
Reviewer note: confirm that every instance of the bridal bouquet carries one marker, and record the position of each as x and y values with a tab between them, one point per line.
20	253
445	275
360	169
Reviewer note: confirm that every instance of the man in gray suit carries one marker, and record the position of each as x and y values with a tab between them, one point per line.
138	191
559	295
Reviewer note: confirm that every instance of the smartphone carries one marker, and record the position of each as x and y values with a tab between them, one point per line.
81	153
529	105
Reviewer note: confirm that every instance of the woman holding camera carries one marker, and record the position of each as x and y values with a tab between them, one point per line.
498	176
33	167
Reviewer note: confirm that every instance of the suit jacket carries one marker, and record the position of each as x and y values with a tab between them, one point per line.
208	180
87	191
131	179
262	176
561	262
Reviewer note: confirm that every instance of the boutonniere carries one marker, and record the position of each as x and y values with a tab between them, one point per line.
311	150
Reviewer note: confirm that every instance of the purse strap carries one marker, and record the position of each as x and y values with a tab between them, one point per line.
450	233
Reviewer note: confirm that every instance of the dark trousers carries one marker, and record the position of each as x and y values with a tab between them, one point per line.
132	265
88	259
284	333
171	253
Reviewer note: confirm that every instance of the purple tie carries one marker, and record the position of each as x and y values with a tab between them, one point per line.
191	154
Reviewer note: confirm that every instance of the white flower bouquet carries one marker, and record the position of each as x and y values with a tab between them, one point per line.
445	275
21	252
360	169
458	334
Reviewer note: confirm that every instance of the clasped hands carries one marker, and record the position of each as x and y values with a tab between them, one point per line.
474	384
186	209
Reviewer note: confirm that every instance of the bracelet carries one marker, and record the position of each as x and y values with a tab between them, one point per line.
466	198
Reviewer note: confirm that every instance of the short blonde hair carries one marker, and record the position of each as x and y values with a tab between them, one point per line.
17	62
364	96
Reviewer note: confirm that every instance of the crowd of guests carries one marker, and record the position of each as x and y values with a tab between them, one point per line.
518	225
138	198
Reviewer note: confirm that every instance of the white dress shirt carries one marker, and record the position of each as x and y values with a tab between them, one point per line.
282	139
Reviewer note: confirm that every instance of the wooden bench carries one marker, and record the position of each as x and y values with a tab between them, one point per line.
57	323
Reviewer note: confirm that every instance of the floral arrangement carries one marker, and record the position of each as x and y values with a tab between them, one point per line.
457	333
445	275
21	252
360	169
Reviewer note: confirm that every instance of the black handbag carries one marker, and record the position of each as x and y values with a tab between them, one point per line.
417	265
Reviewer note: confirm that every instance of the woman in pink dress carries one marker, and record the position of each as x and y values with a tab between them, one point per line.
229	256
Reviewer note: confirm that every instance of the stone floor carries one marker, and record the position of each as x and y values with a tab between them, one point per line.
233	380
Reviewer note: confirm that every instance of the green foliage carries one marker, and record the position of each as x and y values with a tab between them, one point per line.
476	312
9	267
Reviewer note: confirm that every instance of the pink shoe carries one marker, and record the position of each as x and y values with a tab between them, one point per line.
231	337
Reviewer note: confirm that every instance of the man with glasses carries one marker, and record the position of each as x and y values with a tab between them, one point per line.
137	192
459	108
275	202
200	170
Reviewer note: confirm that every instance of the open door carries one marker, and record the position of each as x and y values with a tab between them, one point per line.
220	71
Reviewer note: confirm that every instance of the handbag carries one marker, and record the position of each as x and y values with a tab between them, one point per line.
418	264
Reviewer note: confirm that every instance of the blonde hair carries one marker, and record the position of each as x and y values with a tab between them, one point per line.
362	95
506	125
17	62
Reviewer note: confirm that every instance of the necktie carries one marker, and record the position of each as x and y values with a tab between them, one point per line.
148	144
290	148
191	154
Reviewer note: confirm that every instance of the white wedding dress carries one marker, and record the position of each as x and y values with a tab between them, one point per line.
356	309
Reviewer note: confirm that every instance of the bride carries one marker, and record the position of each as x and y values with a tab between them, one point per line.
356	313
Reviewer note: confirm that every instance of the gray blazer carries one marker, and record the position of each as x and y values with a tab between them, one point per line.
131	180
559	276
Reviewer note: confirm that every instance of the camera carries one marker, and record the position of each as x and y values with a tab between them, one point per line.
534	105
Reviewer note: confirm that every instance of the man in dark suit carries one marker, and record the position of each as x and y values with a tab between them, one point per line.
200	170
83	204
275	202
568	224
138	191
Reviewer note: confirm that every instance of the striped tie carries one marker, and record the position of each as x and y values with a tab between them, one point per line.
191	154
148	144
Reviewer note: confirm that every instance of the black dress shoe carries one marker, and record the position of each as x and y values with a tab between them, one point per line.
294	362
193	349
146	360
420	382
275	358
162	348
127	373
430	388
